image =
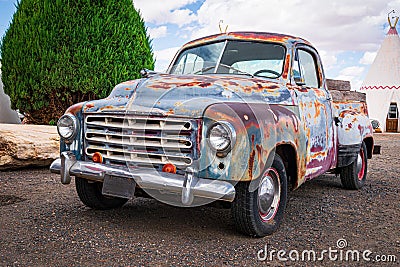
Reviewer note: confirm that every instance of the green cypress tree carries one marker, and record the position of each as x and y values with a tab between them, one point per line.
59	52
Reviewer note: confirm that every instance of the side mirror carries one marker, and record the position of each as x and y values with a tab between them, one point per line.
145	73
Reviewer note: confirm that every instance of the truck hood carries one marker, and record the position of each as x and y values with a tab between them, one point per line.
188	95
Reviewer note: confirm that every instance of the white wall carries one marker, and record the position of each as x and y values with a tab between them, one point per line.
7	115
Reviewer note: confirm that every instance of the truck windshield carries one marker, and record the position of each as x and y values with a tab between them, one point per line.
232	57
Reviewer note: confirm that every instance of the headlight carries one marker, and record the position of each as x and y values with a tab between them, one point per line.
67	126
221	136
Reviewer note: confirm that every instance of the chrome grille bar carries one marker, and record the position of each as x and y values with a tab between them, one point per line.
140	139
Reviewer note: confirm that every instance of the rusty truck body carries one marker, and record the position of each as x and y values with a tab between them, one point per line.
239	118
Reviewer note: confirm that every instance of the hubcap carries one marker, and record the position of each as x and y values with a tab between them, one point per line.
269	193
360	165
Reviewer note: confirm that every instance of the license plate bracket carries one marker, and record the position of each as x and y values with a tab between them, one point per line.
114	186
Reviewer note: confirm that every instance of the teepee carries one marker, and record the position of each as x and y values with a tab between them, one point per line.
382	83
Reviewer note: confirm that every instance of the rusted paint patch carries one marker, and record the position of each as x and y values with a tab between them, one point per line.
286	70
251	164
74	109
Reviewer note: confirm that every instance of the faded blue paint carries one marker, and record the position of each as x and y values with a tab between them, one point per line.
265	113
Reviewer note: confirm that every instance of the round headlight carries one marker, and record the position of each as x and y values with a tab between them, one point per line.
221	136
67	126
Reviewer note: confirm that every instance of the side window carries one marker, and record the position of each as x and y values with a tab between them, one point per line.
306	68
189	63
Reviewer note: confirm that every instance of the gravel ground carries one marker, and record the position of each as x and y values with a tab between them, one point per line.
43	223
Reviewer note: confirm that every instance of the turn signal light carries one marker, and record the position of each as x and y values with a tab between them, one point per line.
97	157
170	168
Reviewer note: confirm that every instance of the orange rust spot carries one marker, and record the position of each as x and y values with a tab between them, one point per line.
259	155
318	107
320	93
251	158
319	154
286	69
199	84
177	104
108	107
90	105
75	108
273	87
232	83
251	164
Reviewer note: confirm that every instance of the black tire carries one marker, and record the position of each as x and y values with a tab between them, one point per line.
248	212
353	177
90	195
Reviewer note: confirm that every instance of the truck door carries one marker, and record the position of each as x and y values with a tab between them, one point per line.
315	110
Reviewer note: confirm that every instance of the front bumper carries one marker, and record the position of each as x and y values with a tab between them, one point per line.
188	185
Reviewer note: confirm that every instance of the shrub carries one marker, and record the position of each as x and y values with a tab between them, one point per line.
59	52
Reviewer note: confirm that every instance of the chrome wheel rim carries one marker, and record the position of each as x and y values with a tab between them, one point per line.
269	193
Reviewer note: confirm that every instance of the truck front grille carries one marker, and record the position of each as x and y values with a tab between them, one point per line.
140	140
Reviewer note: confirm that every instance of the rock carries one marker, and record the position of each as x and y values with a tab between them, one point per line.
27	145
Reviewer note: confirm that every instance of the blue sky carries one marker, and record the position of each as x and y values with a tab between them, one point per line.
347	33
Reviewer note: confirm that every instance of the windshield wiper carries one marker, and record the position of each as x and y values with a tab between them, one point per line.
204	69
235	69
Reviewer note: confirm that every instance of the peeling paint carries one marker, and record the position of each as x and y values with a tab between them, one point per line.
265	114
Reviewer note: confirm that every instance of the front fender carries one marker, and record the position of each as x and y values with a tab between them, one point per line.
260	128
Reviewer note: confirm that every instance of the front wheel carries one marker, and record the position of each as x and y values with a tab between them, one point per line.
90	195
259	213
353	176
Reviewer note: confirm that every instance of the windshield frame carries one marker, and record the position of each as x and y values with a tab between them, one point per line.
218	63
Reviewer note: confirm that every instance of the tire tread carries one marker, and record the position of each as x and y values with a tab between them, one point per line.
90	195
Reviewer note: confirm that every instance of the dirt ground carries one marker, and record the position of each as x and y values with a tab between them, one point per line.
42	222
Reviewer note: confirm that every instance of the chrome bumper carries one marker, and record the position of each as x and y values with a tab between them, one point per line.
188	185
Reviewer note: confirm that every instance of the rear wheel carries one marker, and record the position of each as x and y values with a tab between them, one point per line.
354	176
90	195
259	213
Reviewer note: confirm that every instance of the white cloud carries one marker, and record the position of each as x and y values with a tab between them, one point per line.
164	57
181	17
329	59
158	32
352	74
164	12
166	54
352	71
333	25
368	58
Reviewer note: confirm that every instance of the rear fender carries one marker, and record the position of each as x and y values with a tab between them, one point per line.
352	128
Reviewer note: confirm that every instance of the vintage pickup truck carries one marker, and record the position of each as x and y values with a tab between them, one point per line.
239	118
